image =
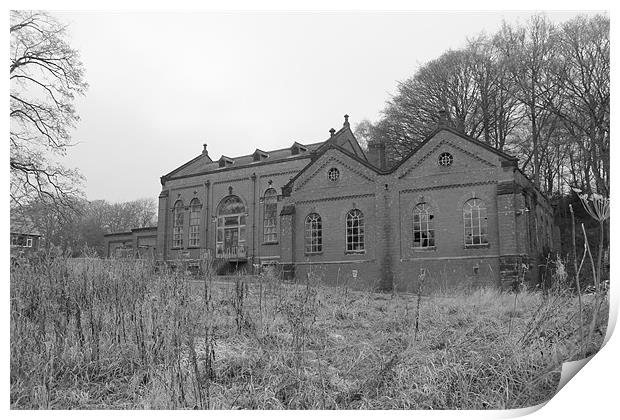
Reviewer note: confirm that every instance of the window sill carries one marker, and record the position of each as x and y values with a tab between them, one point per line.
424	249
477	246
354	252
309	254
270	243
194	247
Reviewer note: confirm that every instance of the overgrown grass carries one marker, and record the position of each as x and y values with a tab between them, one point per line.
119	334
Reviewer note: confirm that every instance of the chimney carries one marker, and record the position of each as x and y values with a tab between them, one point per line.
376	154
443	117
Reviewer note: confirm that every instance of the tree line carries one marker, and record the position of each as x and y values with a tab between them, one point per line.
536	90
81	225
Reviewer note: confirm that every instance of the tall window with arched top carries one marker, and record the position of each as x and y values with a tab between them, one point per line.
355	231
423	227
313	237
475	222
231	228
270	216
177	224
194	222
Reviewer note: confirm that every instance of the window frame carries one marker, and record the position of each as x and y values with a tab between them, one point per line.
270	224
352	215
479	223
178	222
195	208
445	159
419	210
336	174
313	230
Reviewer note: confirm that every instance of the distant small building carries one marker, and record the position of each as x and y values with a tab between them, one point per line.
136	243
25	238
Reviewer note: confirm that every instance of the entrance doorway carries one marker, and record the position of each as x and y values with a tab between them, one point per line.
231	229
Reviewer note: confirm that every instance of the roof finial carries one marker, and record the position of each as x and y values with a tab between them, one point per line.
331	132
204	149
346	120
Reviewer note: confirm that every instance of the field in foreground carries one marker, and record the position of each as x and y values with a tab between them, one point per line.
116	334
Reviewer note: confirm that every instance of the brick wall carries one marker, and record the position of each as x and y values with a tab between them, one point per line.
387	200
249	183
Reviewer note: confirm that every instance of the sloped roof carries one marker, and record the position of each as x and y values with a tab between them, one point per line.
248	160
23	226
332	145
272	156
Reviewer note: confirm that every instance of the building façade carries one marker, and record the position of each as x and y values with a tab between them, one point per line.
455	209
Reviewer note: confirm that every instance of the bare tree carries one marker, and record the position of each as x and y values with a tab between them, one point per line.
46	74
583	73
447	83
538	91
85	223
528	53
118	217
500	111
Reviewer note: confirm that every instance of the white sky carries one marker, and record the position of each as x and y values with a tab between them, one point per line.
164	83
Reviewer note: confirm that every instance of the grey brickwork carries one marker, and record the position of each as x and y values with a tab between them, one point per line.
519	219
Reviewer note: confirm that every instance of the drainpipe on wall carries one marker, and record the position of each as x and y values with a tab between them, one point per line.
207	218
254	241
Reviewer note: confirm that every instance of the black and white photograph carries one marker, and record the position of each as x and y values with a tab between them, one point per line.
306	209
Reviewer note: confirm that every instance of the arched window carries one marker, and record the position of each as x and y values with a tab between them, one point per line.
423	227
177	224
270	216
313	234
194	222
475	222
355	231
231	228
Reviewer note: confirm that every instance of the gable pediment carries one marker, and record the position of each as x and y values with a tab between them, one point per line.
344	171
461	154
195	165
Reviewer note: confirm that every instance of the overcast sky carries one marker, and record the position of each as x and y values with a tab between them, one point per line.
162	84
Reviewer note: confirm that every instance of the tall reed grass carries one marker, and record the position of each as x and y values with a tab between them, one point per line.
94	333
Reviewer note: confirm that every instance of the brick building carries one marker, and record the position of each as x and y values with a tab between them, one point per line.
25	237
456	209
136	243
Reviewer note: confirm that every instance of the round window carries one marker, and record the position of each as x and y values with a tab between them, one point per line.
445	159
333	174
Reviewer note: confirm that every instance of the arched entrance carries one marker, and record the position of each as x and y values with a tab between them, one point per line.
231	229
